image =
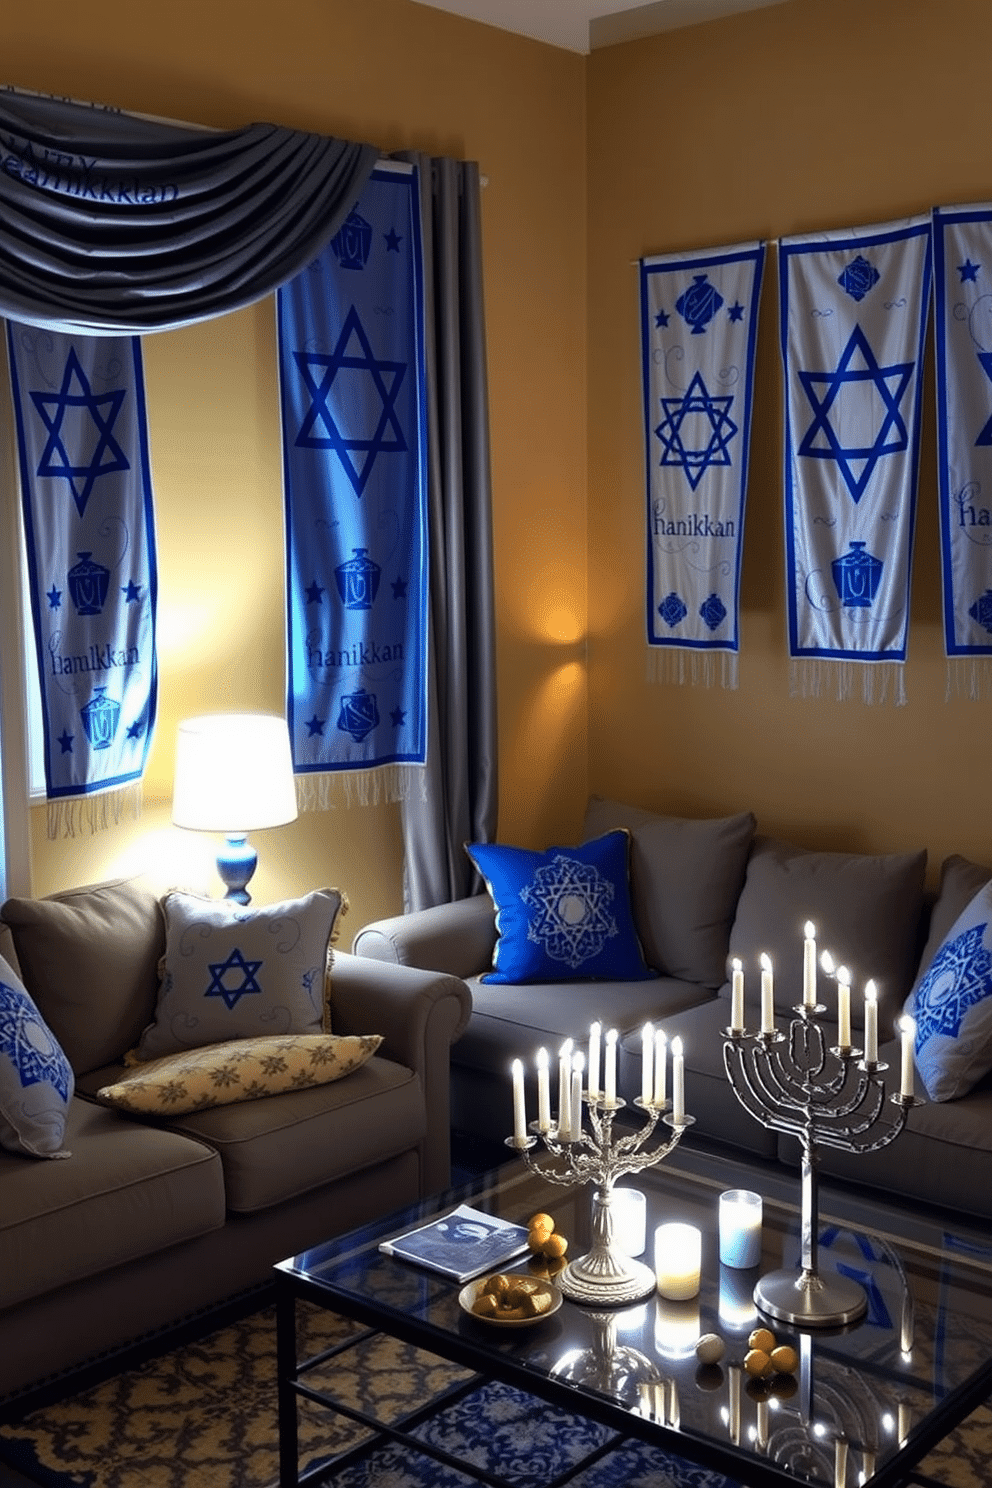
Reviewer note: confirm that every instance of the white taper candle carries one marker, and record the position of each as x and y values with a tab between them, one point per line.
610	1081
595	1039
519	1108
843	1007
678	1082
809	965
871	1023
660	1067
543	1092
647	1064
767	995
737	997
564	1087
908	1029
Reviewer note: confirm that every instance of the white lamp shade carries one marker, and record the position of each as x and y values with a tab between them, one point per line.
234	773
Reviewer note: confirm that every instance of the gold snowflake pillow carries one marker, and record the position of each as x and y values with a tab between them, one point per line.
238	1070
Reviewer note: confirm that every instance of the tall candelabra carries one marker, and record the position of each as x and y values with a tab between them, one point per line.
597	1154
795	1084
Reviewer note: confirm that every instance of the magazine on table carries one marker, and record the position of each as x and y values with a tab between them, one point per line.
462	1244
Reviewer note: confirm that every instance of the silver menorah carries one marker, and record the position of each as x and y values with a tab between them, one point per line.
826	1097
596	1154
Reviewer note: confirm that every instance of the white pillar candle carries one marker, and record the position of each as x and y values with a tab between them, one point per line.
677	1256
660	1067
871	1023
737	997
629	1209
840	1462
908	1028
809	965
543	1092
610	1081
595	1039
740	1228
767	996
519	1110
843	1007
564	1087
575	1108
647	1064
678	1082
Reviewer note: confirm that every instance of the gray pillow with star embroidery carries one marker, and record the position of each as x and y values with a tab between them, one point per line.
952	1005
36	1079
232	971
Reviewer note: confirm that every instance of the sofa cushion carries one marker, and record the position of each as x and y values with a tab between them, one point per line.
564	914
952	1005
686	877
130	1190
36	1080
232	972
285	1145
239	1070
89	958
865	911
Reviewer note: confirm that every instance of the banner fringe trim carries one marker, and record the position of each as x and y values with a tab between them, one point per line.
381	785
876	682
970	678
674	667
82	816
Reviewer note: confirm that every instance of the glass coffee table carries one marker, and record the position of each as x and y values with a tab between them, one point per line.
864	1404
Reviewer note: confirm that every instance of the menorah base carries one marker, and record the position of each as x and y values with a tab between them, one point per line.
810	1301
607	1280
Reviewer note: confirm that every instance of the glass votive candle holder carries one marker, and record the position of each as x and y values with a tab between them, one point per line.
629	1223
677	1259
740	1228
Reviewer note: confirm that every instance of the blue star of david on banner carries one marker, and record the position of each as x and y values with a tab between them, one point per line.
572	917
853	322
696	431
699	318
857	379
960	977
244	974
353	399
320	428
80	446
79	405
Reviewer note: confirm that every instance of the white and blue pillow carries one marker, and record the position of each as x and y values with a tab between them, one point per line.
36	1079
952	1005
563	915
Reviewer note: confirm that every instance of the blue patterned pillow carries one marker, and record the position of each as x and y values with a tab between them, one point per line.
233	972
952	1005
563	915
36	1080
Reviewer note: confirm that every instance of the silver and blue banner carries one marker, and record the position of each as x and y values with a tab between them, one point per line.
963	300
699	321
352	380
87	502
854	308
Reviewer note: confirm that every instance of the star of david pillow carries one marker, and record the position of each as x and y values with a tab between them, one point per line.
36	1080
563	915
232	971
952	1005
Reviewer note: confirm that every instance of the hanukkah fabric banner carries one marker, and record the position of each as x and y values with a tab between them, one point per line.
351	364
963	299
854	309
86	495
699	321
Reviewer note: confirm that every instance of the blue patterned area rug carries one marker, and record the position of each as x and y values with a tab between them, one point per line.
204	1416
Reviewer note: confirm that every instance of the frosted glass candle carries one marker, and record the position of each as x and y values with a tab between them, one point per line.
740	1228
629	1224
677	1258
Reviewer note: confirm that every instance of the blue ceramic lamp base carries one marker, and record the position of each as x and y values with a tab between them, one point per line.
236	862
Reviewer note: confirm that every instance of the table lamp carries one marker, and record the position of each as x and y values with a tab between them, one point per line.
234	774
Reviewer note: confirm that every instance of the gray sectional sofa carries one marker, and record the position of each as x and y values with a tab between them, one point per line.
153	1218
702	893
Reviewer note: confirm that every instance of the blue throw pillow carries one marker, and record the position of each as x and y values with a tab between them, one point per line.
563	915
952	1005
36	1079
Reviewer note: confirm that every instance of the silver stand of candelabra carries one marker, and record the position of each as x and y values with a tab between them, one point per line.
792	1083
605	1276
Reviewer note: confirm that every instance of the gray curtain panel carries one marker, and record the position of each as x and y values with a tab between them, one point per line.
460	801
110	222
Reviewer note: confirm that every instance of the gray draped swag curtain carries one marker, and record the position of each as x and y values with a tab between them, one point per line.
459	804
113	224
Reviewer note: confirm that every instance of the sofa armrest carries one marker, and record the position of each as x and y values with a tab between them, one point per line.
458	938
419	1014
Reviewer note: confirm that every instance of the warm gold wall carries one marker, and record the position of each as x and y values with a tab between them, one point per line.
402	76
801	117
